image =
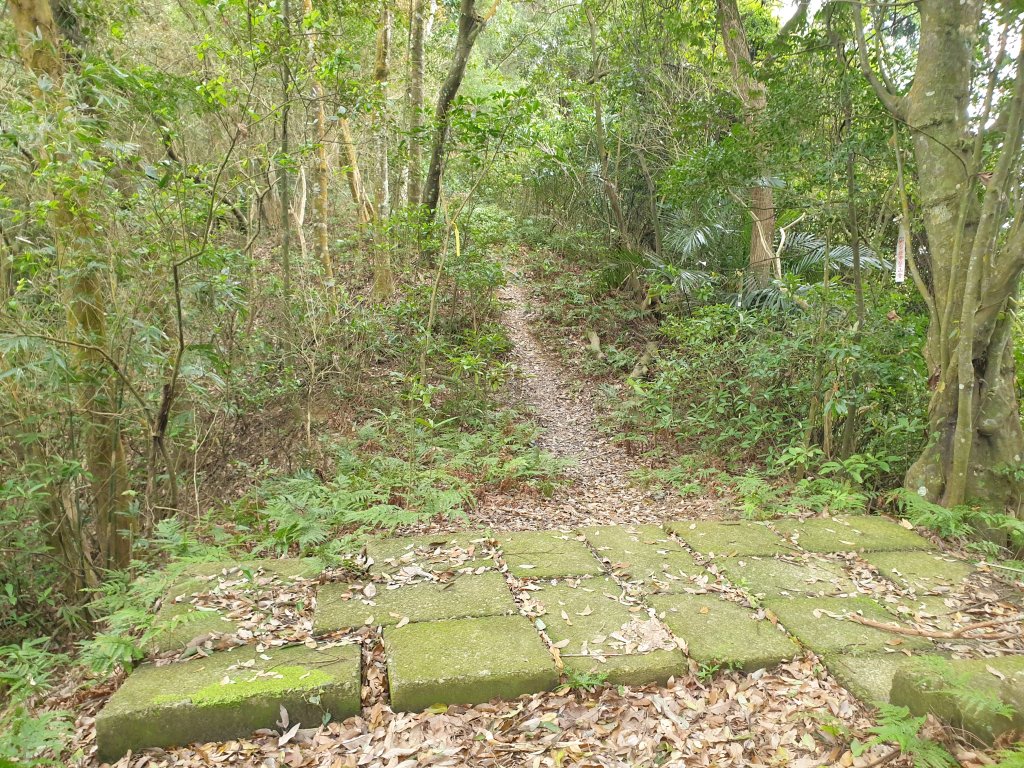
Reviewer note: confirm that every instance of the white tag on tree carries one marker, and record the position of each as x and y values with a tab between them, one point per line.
901	255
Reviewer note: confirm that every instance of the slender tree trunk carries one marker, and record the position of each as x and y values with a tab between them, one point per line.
976	243
754	100
321	172
286	191
381	73
621	235
470	25
98	400
364	208
415	102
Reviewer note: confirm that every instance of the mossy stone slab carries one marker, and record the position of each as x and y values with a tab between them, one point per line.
465	596
851	533
719	632
868	677
930	690
548	555
921	571
809	619
775	577
932	609
729	539
585	616
227	696
434	554
644	553
466	661
178	624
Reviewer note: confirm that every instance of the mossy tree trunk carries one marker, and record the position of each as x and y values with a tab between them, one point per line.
968	166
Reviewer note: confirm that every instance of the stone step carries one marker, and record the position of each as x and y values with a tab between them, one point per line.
228	695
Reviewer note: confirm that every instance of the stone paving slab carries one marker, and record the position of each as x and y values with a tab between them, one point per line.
466	661
644	553
869	677
178	623
851	533
228	695
434	554
595	625
930	687
776	577
811	620
338	607
729	539
930	608
923	572
547	555
720	632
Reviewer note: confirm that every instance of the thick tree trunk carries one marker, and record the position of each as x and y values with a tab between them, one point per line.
754	100
470	25
976	244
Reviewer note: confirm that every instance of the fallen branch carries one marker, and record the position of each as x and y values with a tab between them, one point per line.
954	634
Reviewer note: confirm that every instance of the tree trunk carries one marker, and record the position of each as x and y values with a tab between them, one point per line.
364	208
470	26
321	171
754	101
286	213
381	72
976	242
98	399
415	102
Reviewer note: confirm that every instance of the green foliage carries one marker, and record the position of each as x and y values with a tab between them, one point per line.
577	680
1011	758
896	726
989	531
30	736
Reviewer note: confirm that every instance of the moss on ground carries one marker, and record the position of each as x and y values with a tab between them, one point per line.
729	539
814	622
921	571
722	633
644	553
465	596
772	577
852	533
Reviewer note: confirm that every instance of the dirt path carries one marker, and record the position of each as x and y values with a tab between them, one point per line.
601	487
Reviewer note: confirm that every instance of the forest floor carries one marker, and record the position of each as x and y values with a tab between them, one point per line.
795	714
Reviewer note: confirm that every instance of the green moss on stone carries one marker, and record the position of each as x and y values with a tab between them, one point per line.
812	621
719	632
466	661
729	539
851	533
548	555
591	614
441	552
281	680
771	577
189	702
921	571
868	677
644	553
178	624
465	596
966	693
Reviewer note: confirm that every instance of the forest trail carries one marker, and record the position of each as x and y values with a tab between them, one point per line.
600	488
